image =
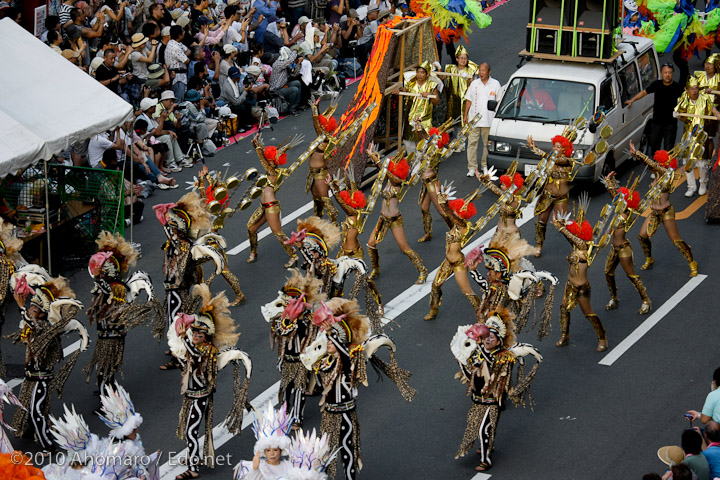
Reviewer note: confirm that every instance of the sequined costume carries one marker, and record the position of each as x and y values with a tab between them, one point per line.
325	125
420	110
457	86
10	247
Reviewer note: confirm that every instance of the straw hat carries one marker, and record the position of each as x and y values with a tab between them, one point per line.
138	40
671	455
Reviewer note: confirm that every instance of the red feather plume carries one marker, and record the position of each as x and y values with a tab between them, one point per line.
359	199
400	170
457	207
567	145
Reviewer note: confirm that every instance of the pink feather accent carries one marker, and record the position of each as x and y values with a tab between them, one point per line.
161	211
22	288
295	308
324	316
183	319
296	237
97	261
474	257
477	331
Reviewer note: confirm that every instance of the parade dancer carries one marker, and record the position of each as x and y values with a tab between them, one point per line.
352	201
457	84
271	428
115	307
205	343
662	211
270	157
391	218
690	108
325	125
511	209
72	434
10	257
182	223
621	250
419	106
6	396
291	329
51	311
556	191
487	354
459	211
310	456
431	184
579	233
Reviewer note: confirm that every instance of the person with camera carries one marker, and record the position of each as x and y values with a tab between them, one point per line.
276	37
176	60
194	119
239	97
108	74
279	79
349	53
316	52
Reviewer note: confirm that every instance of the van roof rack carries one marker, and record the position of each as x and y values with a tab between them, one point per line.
568	58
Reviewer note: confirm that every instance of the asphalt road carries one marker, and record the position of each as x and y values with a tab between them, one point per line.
590	420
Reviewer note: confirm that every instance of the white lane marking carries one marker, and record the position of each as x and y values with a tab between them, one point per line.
481	476
653	320
393	309
266	231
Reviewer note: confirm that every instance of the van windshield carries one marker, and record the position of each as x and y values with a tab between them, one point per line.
547	101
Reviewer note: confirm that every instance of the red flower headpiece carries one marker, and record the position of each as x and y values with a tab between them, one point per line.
462	209
583	232
567	144
356	201
631	201
271	155
662	157
444	137
328	124
400	170
518	180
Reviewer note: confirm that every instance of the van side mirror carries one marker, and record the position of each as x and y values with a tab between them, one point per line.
492	105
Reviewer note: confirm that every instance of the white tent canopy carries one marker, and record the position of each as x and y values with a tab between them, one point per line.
51	98
17	145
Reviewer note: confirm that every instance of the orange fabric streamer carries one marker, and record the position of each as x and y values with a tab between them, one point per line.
14	466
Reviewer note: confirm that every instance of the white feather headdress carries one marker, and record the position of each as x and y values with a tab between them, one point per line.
118	412
271	428
310	456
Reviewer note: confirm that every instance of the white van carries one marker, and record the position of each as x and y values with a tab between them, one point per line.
546	93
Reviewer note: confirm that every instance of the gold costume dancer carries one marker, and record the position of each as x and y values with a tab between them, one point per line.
324	124
511	209
269	210
352	201
391	219
459	211
621	250
708	80
693	102
431	184
458	85
419	106
577	289
554	197
661	211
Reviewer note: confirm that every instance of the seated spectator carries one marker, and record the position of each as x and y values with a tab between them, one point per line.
298	31
97	146
711	408
260	89
176	158
679	471
276	36
239	97
164	40
74	41
316	52
158	77
200	82
142	157
237	33
692	443
54	40
108	74
194	119
712	452
167	104
264	9
206	37
134	213
279	79
227	61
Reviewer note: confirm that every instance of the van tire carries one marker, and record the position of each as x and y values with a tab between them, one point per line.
609	164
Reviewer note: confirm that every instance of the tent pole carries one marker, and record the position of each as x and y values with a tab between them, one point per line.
47	217
132	182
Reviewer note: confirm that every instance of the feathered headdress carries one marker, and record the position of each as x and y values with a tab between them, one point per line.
214	319
299	284
632	198
55	289
566	144
329	124
355	200
188	213
444	137
662	157
398	171
310	456
500	322
505	253
316	234
463	209
118	412
349	326
271	428
517	180
9	243
584	230
72	434
114	257
271	155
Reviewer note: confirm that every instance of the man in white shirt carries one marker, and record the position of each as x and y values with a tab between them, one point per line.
98	144
480	91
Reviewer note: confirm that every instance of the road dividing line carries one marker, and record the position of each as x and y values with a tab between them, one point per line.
393	309
481	476
653	320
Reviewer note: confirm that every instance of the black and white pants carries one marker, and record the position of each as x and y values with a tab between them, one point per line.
39	403
198	409
174	302
347	432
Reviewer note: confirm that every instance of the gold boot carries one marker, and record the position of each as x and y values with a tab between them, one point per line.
253	239
330	209
427	225
282	238
474	301
374	261
612	286
435	301
640	287
646	245
599	330
417	261
540	228
687	253
564	328
317	207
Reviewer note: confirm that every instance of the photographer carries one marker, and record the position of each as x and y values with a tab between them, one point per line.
195	120
350	51
239	97
276	36
316	52
108	74
281	71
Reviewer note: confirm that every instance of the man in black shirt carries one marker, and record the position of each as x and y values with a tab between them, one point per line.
664	125
108	74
